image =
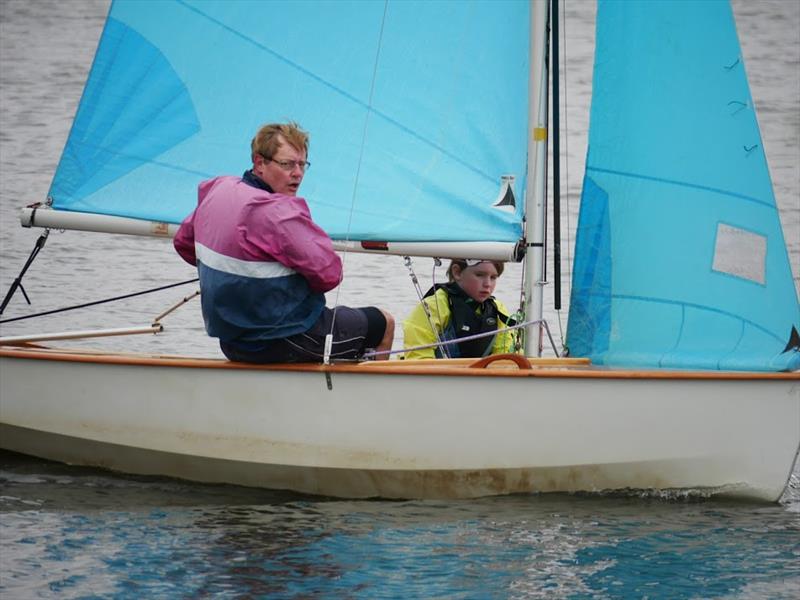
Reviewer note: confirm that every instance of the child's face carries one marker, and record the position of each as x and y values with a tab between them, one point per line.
478	281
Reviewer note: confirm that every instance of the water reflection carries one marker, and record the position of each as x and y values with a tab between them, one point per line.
82	531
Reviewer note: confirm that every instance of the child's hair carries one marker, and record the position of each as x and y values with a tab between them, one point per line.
463	263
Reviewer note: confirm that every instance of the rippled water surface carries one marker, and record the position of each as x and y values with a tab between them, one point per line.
80	533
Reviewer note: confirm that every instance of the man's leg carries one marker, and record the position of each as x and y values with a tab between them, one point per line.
385	344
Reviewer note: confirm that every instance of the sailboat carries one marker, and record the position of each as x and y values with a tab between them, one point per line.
682	371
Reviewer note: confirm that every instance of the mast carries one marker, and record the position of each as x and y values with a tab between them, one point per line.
555	99
535	193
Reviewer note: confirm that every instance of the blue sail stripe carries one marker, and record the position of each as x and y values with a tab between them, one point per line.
343	93
683	184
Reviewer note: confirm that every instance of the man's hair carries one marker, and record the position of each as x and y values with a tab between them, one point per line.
463	265
267	140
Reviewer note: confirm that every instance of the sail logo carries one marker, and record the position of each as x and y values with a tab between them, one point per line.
505	198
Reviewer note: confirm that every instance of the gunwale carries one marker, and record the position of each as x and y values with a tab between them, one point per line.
499	366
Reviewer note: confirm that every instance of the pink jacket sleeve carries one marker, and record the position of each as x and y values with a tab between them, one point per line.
292	238
184	240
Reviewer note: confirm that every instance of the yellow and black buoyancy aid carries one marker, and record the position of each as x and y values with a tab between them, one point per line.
468	317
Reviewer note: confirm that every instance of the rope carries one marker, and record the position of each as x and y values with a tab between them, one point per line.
58	310
409	265
329	337
476	336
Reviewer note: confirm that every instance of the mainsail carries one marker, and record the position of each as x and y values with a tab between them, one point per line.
680	257
410	141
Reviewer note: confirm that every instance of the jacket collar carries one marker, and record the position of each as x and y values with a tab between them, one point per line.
252	179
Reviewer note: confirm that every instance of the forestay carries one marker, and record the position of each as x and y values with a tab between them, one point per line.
680	257
417	110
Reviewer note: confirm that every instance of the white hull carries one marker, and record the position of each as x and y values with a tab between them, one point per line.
439	430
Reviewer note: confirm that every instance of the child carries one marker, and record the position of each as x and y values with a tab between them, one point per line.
460	308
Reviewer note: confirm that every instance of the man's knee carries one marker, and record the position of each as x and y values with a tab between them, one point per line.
389	320
388	335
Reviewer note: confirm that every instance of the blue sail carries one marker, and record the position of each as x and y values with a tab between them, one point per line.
416	111
680	257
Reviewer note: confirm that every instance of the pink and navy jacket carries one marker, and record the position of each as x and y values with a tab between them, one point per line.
264	265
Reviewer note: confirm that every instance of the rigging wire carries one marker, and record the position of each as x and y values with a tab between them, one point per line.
425	308
96	302
329	337
437	262
476	336
17	283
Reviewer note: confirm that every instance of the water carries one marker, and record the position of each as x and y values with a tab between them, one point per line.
78	533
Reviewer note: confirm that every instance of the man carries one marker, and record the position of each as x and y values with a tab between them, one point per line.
265	266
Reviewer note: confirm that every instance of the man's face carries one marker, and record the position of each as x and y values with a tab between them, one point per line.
283	173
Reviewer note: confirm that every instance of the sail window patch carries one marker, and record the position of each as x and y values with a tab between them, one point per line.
740	253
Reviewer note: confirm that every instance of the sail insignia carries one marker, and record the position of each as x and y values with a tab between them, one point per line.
794	341
505	199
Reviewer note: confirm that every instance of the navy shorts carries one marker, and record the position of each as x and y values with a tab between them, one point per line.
355	330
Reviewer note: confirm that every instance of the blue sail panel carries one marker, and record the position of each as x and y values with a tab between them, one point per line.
416	111
680	257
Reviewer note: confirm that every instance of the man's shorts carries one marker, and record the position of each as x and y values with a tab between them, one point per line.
355	330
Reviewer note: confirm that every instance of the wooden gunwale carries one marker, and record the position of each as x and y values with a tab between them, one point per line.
546	367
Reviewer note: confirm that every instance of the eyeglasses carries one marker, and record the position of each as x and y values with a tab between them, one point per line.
289	165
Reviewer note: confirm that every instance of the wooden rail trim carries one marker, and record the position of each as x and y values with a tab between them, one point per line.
405	367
